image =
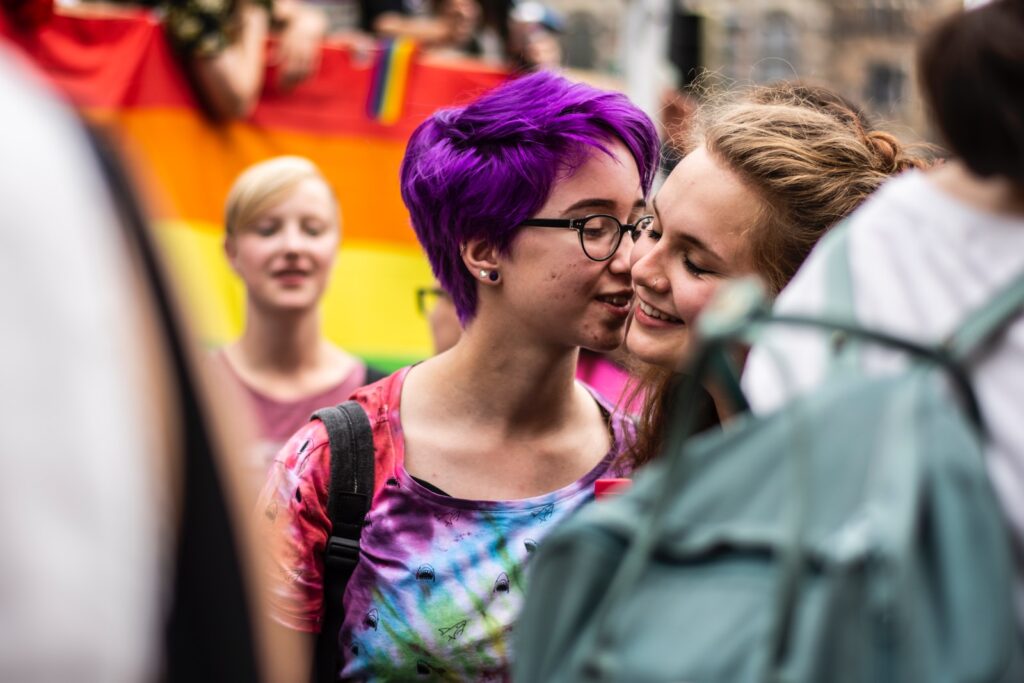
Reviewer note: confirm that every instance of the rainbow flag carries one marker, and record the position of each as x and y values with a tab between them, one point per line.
389	80
120	72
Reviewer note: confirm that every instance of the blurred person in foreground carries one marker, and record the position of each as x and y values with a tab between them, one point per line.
125	553
764	177
520	199
283	231
930	247
84	434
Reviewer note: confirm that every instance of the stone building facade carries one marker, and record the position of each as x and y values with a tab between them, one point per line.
865	49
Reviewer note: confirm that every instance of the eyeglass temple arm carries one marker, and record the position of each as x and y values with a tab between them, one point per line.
550	223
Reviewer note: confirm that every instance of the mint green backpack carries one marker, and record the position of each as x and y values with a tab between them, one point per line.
851	536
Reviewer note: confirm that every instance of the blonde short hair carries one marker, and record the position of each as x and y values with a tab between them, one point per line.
262	185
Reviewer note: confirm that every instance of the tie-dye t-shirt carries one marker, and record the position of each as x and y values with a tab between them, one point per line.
439	582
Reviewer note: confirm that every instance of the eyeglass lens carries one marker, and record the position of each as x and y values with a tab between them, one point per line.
601	235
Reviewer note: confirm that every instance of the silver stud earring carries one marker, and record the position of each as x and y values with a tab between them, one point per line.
483	274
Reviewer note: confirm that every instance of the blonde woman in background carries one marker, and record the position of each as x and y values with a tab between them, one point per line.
283	233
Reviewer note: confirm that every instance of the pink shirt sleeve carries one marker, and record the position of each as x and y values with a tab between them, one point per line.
293	521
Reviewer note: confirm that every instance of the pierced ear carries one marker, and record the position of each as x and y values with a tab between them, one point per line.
481	259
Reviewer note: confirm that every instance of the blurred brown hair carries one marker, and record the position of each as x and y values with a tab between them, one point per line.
972	77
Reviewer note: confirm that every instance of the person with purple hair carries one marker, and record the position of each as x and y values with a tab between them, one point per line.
521	200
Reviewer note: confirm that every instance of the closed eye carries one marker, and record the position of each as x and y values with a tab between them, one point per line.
313	227
266	229
694	269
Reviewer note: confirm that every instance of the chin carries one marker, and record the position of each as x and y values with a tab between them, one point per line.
290	306
661	355
599	347
607	342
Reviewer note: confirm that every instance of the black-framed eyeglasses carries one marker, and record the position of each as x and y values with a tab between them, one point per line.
427	298
600	234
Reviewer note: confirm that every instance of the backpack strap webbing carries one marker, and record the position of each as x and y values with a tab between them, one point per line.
348	501
985	323
373	374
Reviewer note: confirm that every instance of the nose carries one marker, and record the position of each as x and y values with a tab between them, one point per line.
620	260
293	240
647	271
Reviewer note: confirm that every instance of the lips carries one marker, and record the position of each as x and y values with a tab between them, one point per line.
656	313
290	277
617	302
290	272
617	298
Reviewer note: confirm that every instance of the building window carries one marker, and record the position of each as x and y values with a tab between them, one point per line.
884	87
779	57
872	17
886	17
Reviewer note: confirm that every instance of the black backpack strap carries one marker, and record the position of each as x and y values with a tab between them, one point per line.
373	374
348	501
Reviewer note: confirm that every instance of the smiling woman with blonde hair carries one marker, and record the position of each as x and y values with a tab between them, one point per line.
283	230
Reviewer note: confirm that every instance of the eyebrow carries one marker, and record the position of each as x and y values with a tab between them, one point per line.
601	203
687	237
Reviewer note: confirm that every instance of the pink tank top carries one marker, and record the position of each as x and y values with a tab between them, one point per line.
278	420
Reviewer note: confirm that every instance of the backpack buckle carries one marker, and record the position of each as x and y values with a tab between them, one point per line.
342	553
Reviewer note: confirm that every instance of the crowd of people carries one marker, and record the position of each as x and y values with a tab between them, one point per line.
564	266
221	44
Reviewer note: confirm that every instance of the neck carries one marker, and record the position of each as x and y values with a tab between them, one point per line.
522	387
994	195
281	341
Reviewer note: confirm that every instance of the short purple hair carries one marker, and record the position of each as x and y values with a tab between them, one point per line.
482	169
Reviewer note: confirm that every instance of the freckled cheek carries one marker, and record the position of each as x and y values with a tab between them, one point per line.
558	286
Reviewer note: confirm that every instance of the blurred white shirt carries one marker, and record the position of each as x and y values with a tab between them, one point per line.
920	261
79	532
